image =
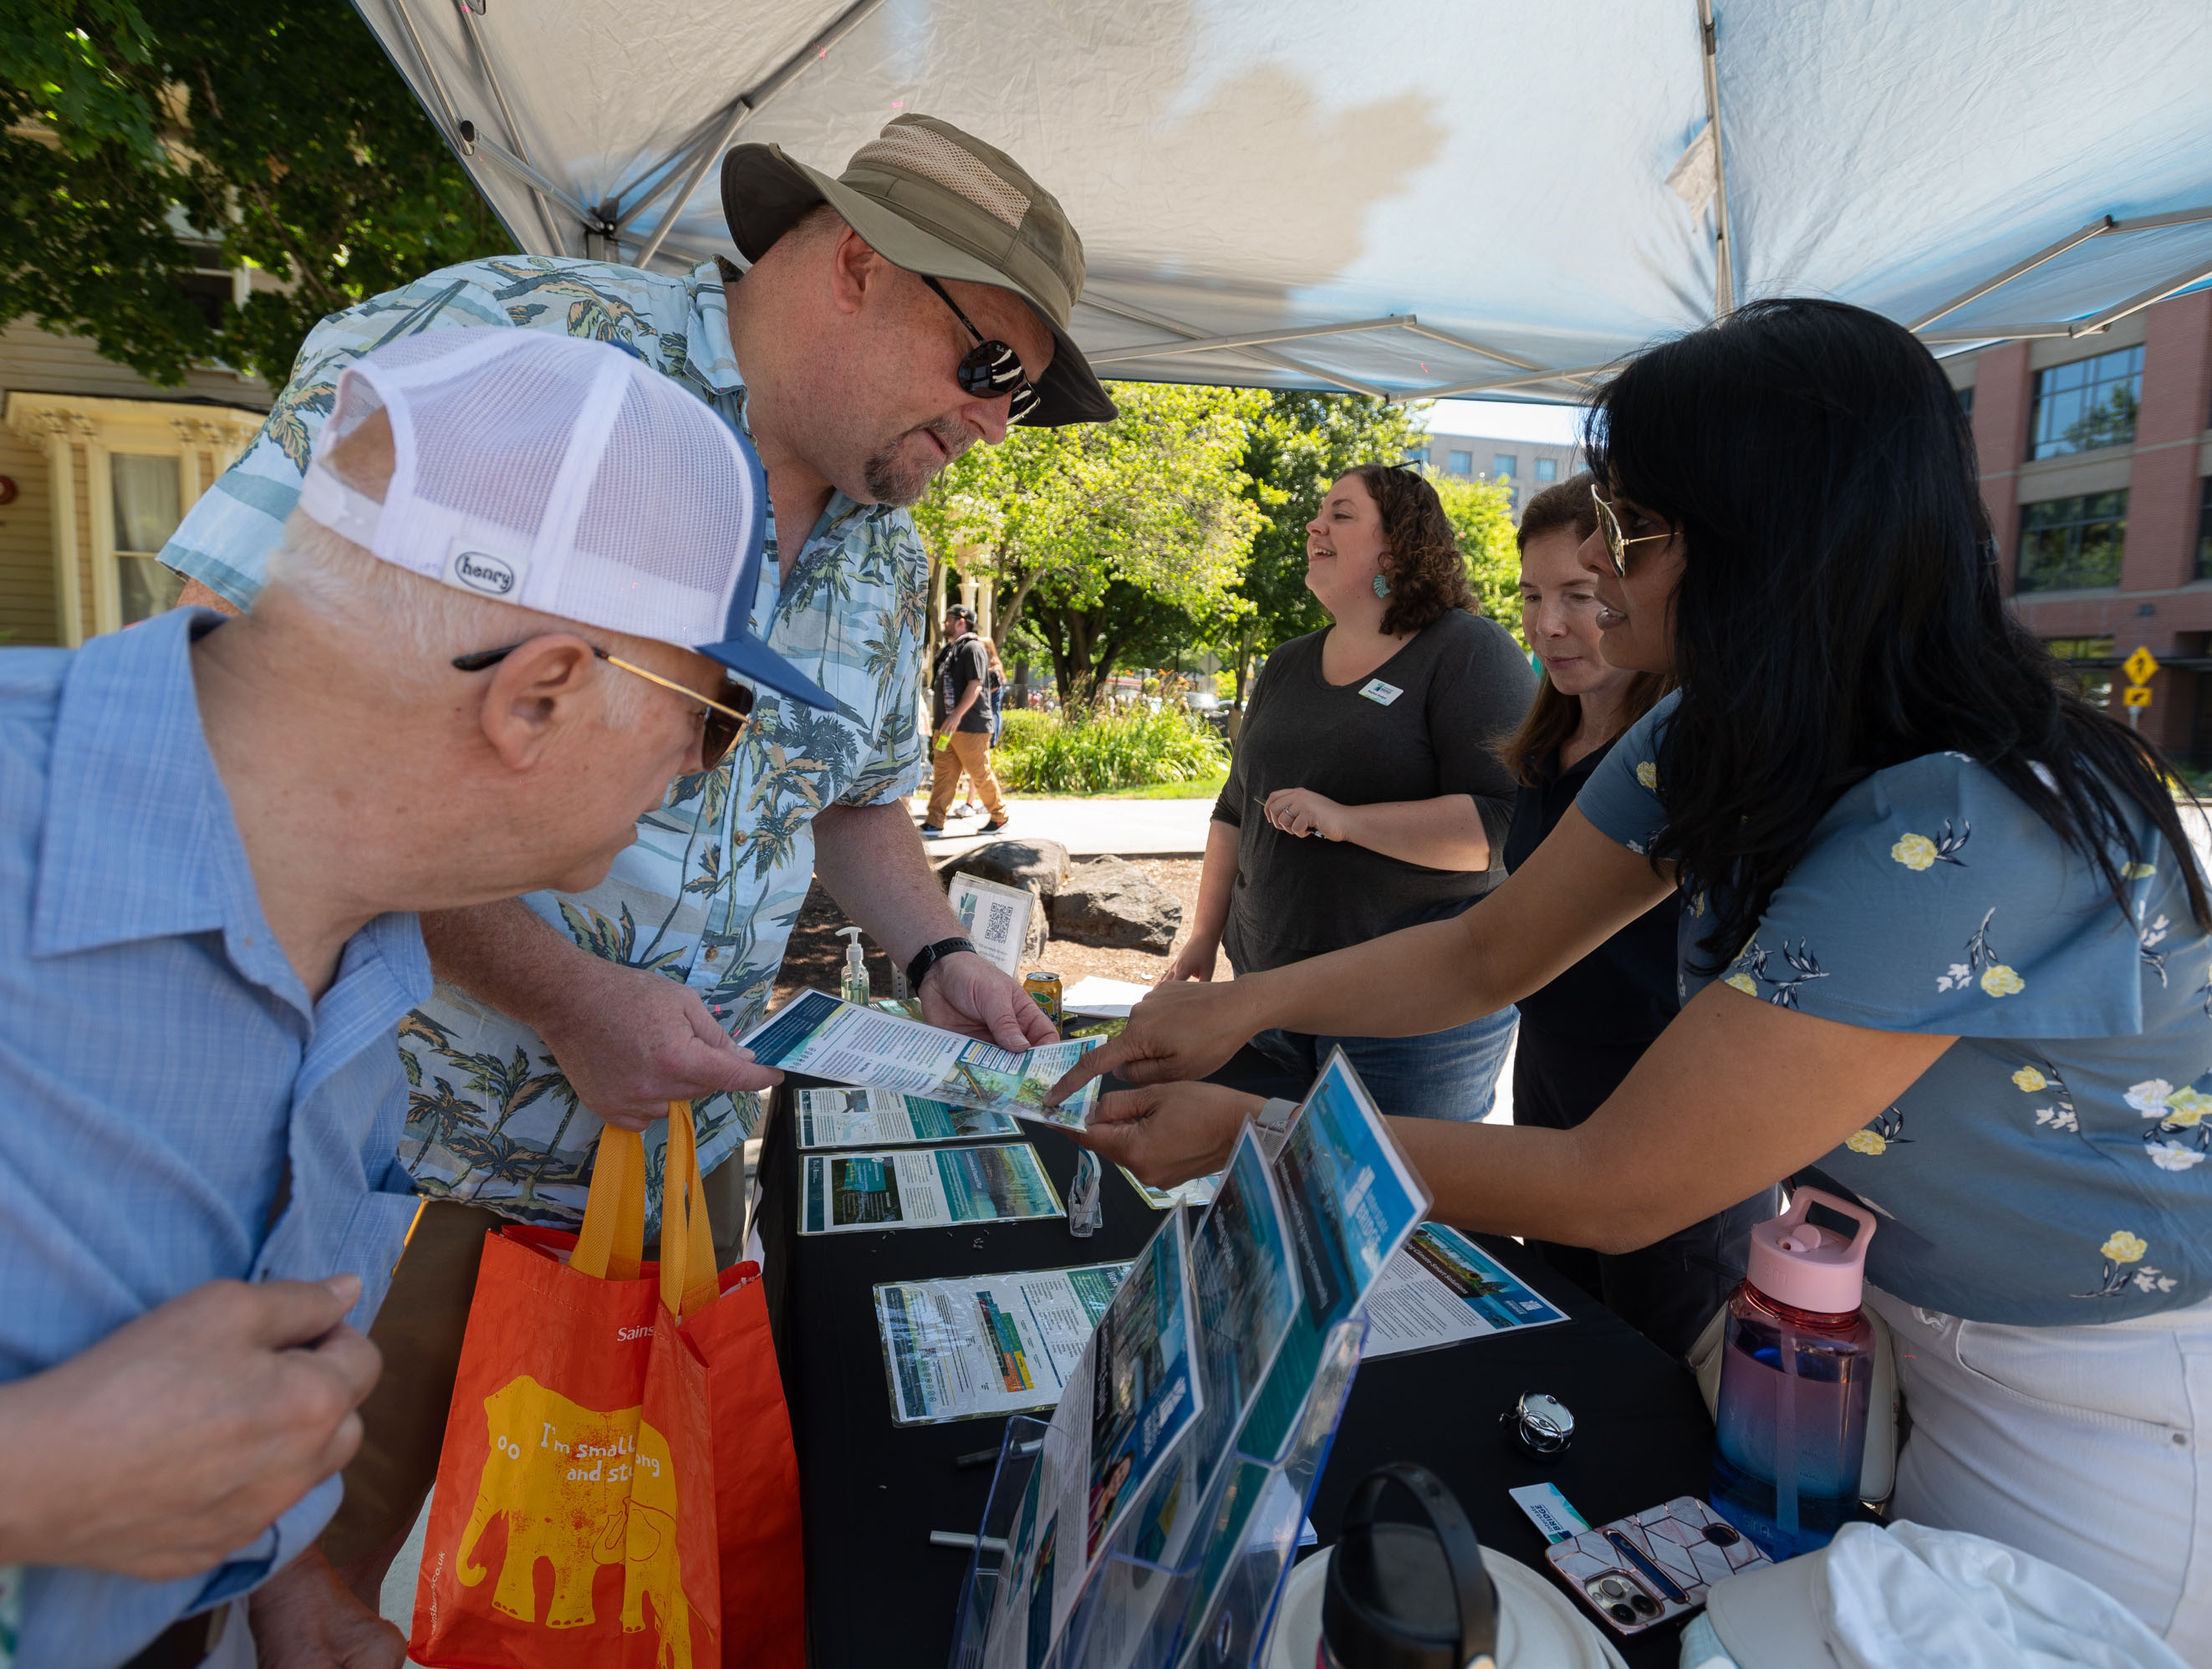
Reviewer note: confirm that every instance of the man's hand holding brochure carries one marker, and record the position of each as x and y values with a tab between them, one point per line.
817	1034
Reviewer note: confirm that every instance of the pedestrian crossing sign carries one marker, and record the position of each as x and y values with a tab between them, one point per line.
2139	667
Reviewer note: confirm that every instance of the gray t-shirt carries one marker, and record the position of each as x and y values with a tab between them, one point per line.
1420	726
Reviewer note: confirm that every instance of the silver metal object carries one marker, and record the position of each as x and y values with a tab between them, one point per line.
1540	1423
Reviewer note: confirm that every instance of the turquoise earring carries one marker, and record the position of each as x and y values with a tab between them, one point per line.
1381	586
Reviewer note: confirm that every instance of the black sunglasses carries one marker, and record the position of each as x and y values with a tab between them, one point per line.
990	369
721	725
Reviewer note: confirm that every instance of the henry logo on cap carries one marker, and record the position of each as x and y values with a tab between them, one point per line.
484	572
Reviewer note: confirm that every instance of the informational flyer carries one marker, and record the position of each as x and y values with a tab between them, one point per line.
1444	1289
996	917
1198	1190
990	1344
883	1118
1244	1286
818	1034
1129	1401
923	1188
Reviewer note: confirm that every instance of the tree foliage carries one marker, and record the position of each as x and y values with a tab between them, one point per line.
278	132
1110	542
1481	514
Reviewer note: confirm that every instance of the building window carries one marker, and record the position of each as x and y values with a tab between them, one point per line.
148	503
2088	404
1547	469
1462	463
2071	544
2093	680
1967	402
1416	455
2204	536
1506	466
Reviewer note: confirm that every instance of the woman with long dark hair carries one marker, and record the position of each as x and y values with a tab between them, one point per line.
1363	795
1584	1033
1946	949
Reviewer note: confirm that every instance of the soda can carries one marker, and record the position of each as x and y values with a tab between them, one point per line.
1045	988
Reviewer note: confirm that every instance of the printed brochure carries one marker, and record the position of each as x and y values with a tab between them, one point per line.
989	1344
923	1188
881	1119
823	1037
1443	1289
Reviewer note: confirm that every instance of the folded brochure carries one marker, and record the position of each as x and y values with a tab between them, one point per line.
823	1037
964	1350
923	1188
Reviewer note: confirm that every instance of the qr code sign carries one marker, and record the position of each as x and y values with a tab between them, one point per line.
1001	923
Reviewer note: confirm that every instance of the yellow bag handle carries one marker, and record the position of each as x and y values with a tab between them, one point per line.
610	1246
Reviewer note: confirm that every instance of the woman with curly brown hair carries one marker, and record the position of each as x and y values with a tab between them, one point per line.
1364	795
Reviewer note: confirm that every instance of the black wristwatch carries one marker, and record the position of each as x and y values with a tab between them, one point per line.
929	956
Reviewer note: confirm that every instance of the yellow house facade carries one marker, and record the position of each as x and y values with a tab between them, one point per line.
97	467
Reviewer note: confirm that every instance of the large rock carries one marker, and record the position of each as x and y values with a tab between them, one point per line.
1111	903
1015	863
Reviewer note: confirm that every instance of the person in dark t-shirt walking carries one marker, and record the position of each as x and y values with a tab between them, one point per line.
1364	795
961	719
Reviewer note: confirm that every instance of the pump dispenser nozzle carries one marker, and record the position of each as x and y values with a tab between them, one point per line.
855	983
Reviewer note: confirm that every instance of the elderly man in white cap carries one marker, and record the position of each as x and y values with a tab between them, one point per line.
210	856
891	316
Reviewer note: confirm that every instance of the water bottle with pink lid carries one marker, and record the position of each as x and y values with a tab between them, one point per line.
1796	1368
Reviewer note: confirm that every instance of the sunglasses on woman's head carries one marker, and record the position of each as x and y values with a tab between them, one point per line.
1609	524
721	726
990	369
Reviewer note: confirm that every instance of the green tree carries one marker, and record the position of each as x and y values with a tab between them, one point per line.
1107	541
140	139
1298	445
1481	514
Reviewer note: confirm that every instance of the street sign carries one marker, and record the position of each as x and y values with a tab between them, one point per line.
2137	696
2139	667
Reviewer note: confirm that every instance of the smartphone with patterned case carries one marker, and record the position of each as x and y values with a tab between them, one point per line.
1654	1565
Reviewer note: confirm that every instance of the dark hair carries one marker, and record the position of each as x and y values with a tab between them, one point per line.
1553	717
1840	609
1421	556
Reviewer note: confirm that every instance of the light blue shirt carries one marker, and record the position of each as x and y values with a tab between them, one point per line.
2048	1170
162	1068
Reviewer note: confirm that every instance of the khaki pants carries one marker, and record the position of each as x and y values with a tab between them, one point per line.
419	1330
967	750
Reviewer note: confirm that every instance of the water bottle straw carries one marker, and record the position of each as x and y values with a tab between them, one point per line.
1785	1438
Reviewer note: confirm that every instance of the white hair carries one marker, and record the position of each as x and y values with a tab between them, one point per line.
418	624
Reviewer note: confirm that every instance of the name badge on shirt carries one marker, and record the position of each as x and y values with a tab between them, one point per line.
1380	693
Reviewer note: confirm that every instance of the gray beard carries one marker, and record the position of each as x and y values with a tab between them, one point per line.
891	479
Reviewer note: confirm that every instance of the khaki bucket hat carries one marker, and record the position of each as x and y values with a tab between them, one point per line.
939	202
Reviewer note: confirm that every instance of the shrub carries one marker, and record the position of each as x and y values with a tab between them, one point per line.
1106	748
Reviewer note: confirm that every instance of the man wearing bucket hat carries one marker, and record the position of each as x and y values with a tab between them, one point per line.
209	871
891	316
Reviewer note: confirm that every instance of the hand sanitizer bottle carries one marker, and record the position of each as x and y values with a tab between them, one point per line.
855	987
1796	1368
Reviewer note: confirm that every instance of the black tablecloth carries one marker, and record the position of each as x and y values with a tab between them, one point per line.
879	1594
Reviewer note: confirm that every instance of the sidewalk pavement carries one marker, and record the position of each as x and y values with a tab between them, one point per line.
1126	828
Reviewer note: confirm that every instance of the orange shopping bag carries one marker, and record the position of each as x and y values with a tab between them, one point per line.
575	1522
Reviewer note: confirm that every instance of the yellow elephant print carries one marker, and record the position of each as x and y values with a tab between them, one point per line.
580	1488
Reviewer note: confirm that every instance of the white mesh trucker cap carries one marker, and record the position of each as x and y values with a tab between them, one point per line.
561	475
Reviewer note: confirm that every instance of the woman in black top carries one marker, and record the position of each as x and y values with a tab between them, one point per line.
1581	1033
1365	795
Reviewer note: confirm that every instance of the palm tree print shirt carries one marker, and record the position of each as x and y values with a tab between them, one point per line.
2049	1169
708	892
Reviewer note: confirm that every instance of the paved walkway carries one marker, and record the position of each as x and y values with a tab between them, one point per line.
1126	828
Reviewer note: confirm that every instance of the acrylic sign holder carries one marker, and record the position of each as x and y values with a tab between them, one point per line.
1205	1602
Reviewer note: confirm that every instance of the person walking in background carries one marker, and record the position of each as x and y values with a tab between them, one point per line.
997	681
1581	1033
961	724
1365	795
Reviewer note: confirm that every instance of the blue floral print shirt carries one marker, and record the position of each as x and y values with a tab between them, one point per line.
708	894
2049	1169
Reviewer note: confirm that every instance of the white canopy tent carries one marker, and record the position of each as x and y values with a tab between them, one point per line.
1426	199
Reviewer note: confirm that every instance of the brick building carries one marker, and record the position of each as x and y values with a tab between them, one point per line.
2096	456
